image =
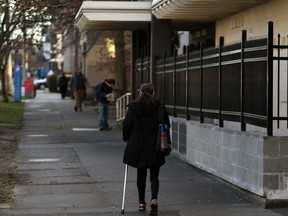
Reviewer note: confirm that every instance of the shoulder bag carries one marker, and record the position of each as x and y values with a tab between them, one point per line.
163	146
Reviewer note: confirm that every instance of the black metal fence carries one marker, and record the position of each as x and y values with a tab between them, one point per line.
142	71
228	83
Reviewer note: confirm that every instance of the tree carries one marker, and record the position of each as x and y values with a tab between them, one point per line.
21	24
65	24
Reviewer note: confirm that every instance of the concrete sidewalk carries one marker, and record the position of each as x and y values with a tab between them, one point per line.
73	168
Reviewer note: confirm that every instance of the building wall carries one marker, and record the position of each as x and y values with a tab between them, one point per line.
100	62
255	22
68	65
249	160
128	59
99	65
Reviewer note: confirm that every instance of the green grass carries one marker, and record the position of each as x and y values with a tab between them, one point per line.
11	113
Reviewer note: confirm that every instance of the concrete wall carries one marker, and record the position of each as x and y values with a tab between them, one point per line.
255	22
251	161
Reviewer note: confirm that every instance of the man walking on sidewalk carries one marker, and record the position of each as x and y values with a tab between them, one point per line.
78	86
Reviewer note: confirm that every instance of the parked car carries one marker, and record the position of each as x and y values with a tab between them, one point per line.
40	83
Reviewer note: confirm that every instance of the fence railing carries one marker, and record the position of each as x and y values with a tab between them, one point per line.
121	106
142	71
228	83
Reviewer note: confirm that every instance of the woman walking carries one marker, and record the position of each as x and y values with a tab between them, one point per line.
140	128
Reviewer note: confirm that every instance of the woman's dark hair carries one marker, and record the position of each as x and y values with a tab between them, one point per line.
146	98
147	89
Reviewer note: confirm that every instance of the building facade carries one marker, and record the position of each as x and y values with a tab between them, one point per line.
249	159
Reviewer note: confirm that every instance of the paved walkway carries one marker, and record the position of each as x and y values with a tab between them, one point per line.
75	169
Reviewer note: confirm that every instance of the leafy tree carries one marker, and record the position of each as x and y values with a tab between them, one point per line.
64	21
21	24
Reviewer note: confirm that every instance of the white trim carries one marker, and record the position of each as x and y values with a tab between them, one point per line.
201	11
113	15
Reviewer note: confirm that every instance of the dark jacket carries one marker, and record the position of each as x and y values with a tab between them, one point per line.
140	129
78	82
102	91
63	82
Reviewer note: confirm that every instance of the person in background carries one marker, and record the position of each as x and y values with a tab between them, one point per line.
39	73
104	96
78	85
29	86
140	129
43	73
63	85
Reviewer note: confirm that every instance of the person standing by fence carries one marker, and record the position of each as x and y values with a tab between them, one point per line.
42	73
104	95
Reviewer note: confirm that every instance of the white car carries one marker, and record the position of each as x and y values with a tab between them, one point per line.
40	83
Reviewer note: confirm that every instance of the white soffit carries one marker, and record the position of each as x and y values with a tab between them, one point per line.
201	10
113	15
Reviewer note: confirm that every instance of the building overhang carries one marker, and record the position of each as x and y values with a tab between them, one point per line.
200	10
113	15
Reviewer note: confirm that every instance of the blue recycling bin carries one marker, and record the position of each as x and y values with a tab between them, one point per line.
17	84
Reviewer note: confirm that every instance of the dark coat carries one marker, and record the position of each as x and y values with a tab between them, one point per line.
63	82
140	129
102	90
78	81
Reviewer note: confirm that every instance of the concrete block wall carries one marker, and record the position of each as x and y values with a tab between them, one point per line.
251	161
275	167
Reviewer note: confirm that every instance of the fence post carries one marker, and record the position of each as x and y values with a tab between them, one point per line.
187	83
287	83
242	81
201	83
269	72
149	69
221	43
141	68
152	69
163	78
278	80
174	82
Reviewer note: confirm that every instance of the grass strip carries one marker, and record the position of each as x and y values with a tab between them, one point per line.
11	112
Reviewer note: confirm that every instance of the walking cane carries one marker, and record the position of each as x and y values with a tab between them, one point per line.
124	188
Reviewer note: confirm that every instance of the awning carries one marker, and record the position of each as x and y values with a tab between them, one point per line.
113	15
200	10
